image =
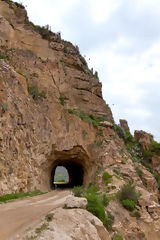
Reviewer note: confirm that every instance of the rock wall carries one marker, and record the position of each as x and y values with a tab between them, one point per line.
38	84
51	106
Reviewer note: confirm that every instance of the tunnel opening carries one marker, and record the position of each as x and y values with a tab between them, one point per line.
71	174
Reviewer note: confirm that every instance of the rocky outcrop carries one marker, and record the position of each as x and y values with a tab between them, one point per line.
144	138
40	88
124	125
52	113
74	224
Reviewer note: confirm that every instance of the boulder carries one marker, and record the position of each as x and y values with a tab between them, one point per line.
76	202
75	224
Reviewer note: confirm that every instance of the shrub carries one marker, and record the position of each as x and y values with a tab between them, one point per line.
71	111
49	217
96	207
117	171
62	100
139	171
20	5
107	178
124	160
78	191
33	91
43	227
109	221
155	147
127	191
119	131
83	60
98	143
85	117
2	56
92	189
128	204
136	214
128	137
153	150
96	203
104	199
117	237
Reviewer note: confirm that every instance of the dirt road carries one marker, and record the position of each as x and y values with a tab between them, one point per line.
18	216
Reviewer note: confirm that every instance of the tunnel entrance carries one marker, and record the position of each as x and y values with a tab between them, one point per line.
70	172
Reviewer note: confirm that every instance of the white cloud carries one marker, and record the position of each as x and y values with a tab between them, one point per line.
101	10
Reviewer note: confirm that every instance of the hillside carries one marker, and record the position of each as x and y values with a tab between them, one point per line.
52	113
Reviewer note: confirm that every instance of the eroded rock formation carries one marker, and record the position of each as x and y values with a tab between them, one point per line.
52	114
39	84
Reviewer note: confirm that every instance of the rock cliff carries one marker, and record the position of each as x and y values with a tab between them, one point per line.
52	113
41	85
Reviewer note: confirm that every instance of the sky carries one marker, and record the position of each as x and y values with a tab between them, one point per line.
121	40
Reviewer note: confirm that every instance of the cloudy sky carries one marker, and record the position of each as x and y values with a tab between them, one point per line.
122	40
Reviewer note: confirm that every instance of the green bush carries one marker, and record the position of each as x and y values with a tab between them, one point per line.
104	199
71	111
128	204
89	118
109	221
127	191
92	189
98	143
49	217
83	60
117	237
78	191
43	227
96	207
153	150
96	203
119	131
155	147
107	178
136	214
2	56
128	137
117	171
62	100
139	171
33	91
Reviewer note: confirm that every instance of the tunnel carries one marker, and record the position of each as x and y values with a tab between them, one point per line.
75	174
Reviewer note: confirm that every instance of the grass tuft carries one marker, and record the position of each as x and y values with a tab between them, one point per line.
13	196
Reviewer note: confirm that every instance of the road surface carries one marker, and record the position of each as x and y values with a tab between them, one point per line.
18	216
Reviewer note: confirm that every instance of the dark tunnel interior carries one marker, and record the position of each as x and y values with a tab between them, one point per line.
75	173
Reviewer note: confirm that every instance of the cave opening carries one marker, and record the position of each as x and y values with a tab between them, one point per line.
66	174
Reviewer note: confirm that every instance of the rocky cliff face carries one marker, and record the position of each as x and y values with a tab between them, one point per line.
43	80
52	114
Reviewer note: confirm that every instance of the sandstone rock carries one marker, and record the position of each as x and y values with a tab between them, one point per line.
143	138
75	224
56	46
37	134
106	124
57	136
75	202
124	125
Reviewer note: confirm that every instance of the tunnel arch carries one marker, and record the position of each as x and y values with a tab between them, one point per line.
75	172
78	162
